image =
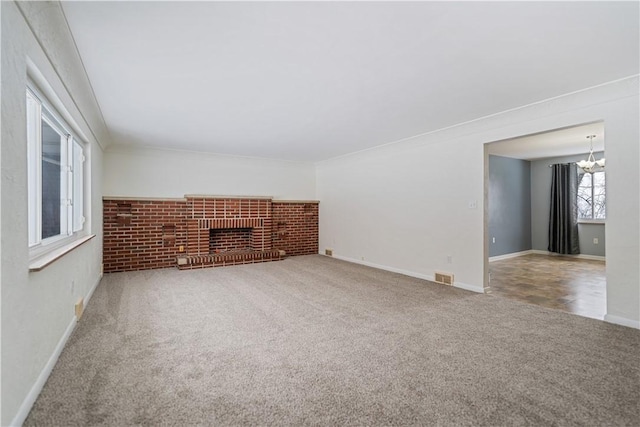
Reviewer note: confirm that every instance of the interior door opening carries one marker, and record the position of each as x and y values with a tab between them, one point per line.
518	261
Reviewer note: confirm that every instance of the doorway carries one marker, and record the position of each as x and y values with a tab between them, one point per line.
517	195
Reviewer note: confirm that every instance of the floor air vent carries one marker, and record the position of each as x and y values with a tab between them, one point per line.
444	278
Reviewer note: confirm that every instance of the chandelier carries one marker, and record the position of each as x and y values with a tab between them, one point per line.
591	165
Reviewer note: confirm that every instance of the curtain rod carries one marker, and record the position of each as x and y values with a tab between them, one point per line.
567	163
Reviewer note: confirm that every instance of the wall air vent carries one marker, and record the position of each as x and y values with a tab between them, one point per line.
444	278
328	252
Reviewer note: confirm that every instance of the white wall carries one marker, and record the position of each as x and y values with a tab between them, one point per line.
405	206
146	172
38	307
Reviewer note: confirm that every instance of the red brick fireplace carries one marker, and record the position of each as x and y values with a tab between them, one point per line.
205	231
224	218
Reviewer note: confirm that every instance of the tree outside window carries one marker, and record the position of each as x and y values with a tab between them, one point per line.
591	196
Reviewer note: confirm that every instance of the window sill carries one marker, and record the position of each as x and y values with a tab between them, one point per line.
591	221
46	259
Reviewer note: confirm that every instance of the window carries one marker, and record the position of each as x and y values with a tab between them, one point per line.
55	175
591	196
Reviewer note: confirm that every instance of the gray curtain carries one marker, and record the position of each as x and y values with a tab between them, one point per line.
563	215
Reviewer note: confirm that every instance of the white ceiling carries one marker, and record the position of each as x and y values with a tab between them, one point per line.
314	80
558	143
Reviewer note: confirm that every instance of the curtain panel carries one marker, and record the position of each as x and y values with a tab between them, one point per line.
563	215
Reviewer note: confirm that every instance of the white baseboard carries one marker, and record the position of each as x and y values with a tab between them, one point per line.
511	255
579	256
408	273
87	298
384	267
467	287
33	394
539	252
622	321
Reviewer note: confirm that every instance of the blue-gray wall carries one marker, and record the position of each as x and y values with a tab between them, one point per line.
540	195
509	205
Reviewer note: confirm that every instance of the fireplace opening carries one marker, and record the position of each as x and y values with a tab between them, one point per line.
229	240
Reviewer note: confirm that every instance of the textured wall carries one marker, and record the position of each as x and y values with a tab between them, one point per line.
509	205
38	307
144	172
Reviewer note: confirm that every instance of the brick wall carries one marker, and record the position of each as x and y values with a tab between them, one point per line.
295	227
142	234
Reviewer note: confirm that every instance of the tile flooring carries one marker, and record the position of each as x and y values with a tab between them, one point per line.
565	283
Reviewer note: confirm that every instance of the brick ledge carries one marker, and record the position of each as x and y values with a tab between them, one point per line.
189	262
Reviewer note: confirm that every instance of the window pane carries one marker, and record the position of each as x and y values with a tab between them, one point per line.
599	205
591	196
51	181
584	197
598	179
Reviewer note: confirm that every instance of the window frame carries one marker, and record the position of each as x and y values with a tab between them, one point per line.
73	224
592	219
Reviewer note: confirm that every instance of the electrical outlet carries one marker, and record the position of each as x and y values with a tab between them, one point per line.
595	241
181	248
73	286
494	240
473	204
449	259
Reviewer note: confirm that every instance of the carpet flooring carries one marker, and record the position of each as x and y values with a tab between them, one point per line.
316	341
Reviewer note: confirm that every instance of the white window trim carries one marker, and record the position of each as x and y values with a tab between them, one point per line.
59	251
76	233
593	220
